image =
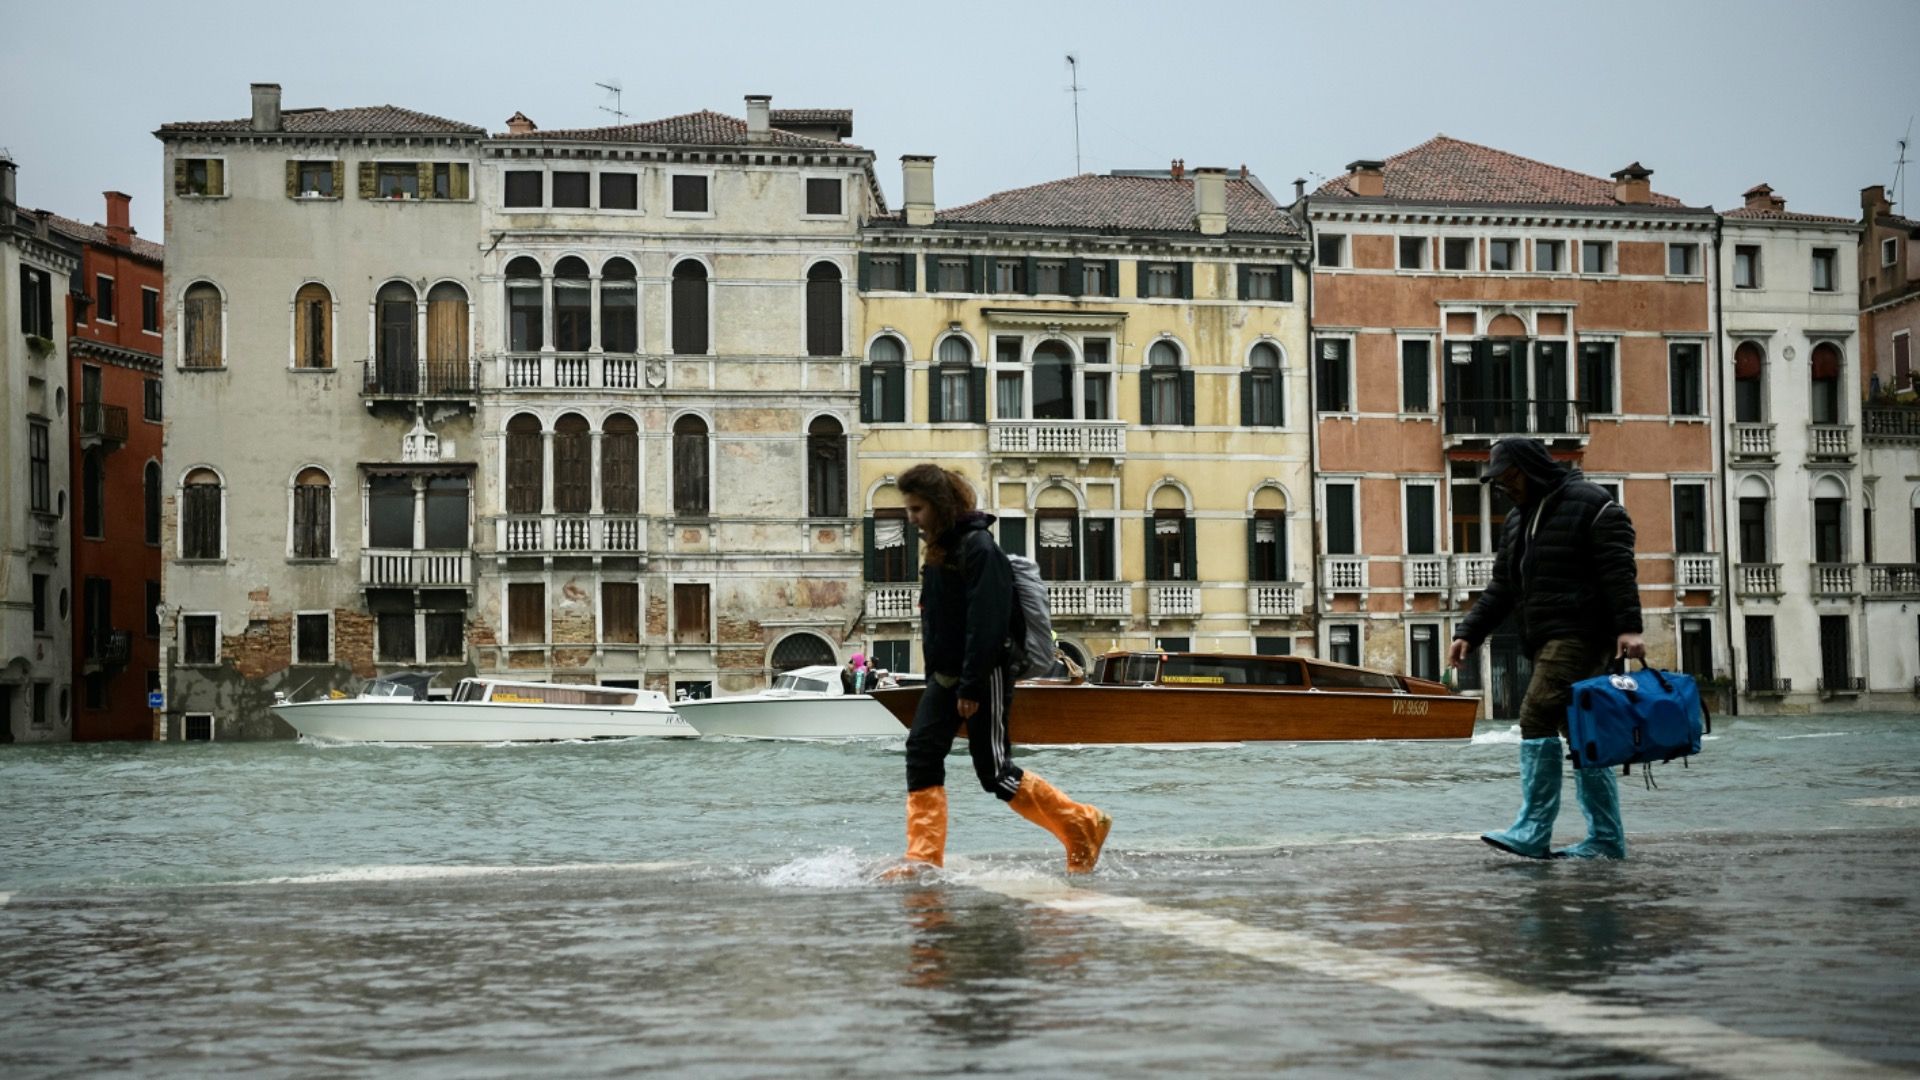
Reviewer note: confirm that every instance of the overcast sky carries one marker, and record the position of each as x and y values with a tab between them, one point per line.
1714	97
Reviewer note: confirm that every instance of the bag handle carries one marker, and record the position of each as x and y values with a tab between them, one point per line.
1618	666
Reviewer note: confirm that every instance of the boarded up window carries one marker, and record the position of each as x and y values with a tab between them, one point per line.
690	308
826	469
619	308
203	326
447	366
571	188
619	191
394	631
691	616
446	635
620	465
446	512
525	482
823	310
690	481
523	187
390	512
823	195
527	613
200	531
690	194
572	465
312	515
620	611
313	326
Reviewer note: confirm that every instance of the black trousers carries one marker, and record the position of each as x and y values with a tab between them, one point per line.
937	724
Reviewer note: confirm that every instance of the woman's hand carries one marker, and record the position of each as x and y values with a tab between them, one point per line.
965	708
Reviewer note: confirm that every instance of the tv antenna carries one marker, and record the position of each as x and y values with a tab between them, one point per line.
1073	79
1900	165
612	86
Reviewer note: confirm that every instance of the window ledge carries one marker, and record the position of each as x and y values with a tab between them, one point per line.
315	198
201	198
201	562
690	213
298	370
201	367
327	561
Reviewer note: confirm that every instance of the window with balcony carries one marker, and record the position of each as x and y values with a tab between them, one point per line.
312	515
526	478
1262	400
396	339
1823	403
1170	547
572	465
1753	529
1053	396
313	327
1685	392
202	535
1098	556
823	310
1010	381
1056	543
620	612
572	306
826	468
691	483
883	382
690	315
525	306
893	547
205	329
1267	546
1096	379
1749	388
1420	518
1829	538
1689	518
692	613
1166	387
1340	518
620	465
959	388
1333	388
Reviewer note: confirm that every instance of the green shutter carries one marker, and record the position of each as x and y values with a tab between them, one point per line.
1186	396
1186	281
1253	550
369	183
1074	277
1113	278
1032	282
865	272
1189	551
866	410
989	277
893	395
1013	535
1146	396
1242	273
976	275
179	176
933	272
977	394
423	175
1140	278
1152	552
934	408
908	264
1247	419
1286	282
293	179
867	550
913	549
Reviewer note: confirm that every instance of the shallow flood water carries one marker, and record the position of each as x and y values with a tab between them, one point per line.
711	908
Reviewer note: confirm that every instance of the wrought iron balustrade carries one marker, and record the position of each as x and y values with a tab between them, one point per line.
1493	418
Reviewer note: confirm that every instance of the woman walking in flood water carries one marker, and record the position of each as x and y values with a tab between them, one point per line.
966	623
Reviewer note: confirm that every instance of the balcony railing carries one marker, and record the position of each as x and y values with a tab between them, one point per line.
1696	571
46	531
893	603
1893	579
1344	574
415	568
1891	427
1173	601
1492	418
1763	686
1758	579
102	424
1425	573
1753	440
1059	438
1089	600
1471	573
1833	579
570	371
1830	440
598	534
420	379
1273	599
1841	686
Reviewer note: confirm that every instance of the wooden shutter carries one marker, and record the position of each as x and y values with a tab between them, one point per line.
620	472
527	613
524	479
1285	272
690	482
1146	395
1189	551
447	334
690	614
989	277
572	471
1186	280
1029	268
977	395
1243	274
423	176
867	550
1186	396
1247	416
293	179
201	527
1255	572
1013	535
179	176
866	393
893	394
864	272
203	331
620	611
823	317
369	180
339	179
907	265
1152	549
936	406
312	521
690	315
216	176
1074	277
1141	276
977	275
933	271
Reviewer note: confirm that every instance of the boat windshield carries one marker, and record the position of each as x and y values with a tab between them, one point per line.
1333	677
1230	671
406	685
795	682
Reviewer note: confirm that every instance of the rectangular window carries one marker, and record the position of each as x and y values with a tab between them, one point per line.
153	609
1685	396
1097	549
1263	283
313	635
1836	661
196	727
1760	659
150	310
894	655
1746	266
449	180
313	179
1503	254
1829	542
953	275
202	177
1413	252
526	613
1008	389
446	636
200	640
823	196
394	634
1267	546
1163	281
1009	276
1332	250
572	189
1093	280
39	603
445	513
36	302
1416	376
1549	256
1340	525
1456	253
1596	376
690	614
39	467
1272	646
1423	651
1596	256
884	272
1094	387
103	299
524	188
1049	277
1343	644
1753	530
620	611
1696	648
1889	251
1689	519
689	194
619	191
1826	262
1421	521
397	180
1330	361
895	547
1683	260
150	403
389	512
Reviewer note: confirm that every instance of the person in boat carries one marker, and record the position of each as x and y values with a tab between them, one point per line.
853	677
967	618
1565	568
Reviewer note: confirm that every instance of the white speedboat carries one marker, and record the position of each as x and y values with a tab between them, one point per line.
398	709
805	703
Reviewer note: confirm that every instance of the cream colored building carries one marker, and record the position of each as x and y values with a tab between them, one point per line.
1117	363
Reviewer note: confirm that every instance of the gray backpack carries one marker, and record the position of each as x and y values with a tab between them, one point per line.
1032	650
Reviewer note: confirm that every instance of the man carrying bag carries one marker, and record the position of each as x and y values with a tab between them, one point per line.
1565	568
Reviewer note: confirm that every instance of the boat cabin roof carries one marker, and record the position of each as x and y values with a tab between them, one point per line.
510	692
815	679
1231	670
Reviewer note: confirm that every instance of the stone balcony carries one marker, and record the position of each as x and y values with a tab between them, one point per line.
404	568
1832	579
1173	601
1343	574
1424	573
1078	440
571	371
1273	599
584	534
1830	442
1753	442
102	425
1757	579
1891	427
887	602
1089	600
1696	573
1471	574
1890	581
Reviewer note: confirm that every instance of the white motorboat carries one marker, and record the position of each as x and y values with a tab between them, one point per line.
481	710
805	703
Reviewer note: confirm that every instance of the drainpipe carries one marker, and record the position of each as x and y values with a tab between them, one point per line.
1726	485
1313	436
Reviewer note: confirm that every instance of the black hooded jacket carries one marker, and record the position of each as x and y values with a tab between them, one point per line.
1565	562
966	606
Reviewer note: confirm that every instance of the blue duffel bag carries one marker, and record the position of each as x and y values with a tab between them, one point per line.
1623	718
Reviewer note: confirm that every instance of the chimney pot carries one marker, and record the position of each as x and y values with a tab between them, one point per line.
759	123
916	174
1368	179
266	106
1299	188
119	230
1210	201
1631	185
518	124
1178	169
1759	197
1873	200
8	199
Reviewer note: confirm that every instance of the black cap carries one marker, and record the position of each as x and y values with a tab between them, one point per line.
1499	460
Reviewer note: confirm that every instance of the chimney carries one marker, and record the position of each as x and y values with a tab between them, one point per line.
266	106
8	198
518	124
1178	168
1873	200
119	232
1210	201
758	108
916	171
1299	188
1368	180
1761	197
1630	185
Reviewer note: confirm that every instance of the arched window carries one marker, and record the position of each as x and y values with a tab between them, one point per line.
690	308
826	468
1754	523
395	338
620	465
690	482
312	515
802	650
959	389
1267	537
525	480
525	332
572	306
1162	386
1824	405
447	352
823	310
93	492
1748	397
619	308
1170	544
201	534
883	397
153	502
1260	388
1829	522
572	465
204	339
1052	381
313	326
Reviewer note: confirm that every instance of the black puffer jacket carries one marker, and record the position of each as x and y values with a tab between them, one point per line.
1565	562
966	606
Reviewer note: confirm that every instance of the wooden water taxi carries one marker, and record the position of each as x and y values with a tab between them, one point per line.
1180	698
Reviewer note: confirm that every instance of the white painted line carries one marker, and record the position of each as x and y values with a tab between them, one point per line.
1683	1040
1898	802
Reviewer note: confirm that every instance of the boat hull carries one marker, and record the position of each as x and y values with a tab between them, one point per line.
1052	714
758	717
367	720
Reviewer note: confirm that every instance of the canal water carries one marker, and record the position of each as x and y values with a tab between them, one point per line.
700	908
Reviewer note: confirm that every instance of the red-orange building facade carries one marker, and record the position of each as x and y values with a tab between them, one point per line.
1462	294
115	432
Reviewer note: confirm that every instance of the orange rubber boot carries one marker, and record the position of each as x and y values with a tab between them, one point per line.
926	832
1082	829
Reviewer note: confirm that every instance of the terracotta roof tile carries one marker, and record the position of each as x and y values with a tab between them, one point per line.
1896	221
1750	214
809	116
372	120
704	128
1450	170
97	234
1121	204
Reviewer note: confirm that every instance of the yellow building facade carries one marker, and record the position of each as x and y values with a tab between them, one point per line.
1118	365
